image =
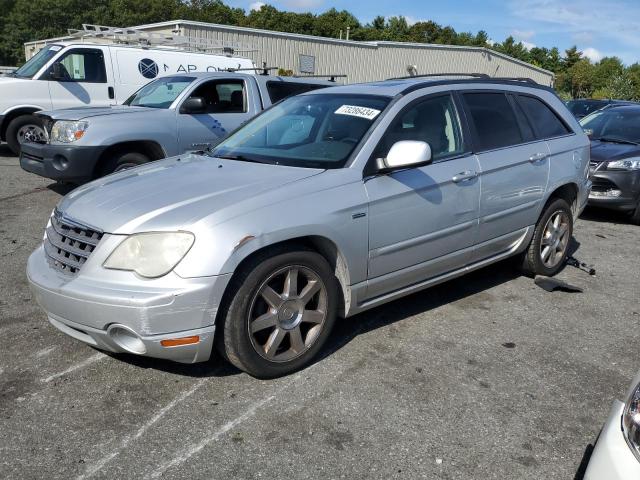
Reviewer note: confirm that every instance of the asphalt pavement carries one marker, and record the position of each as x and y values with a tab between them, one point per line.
485	377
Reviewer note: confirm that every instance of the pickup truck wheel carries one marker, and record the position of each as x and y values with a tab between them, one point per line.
123	161
24	129
549	246
281	314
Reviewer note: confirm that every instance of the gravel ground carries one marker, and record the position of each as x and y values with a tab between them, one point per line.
486	377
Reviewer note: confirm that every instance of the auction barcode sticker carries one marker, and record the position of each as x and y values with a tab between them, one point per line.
355	111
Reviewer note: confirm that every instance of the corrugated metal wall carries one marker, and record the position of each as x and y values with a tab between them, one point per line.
360	61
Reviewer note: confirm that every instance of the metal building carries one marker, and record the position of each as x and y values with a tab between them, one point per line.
359	61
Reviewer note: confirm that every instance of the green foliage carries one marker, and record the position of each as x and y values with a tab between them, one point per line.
576	75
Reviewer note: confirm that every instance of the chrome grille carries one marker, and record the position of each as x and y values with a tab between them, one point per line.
68	244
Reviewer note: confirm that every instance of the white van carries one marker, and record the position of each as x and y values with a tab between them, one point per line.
72	74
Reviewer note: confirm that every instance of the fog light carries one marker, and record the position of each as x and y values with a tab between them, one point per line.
60	162
177	342
126	339
606	193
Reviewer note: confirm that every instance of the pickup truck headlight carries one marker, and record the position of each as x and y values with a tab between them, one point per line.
152	254
631	421
626	164
64	131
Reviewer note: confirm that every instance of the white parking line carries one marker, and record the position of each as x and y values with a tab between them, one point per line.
77	366
45	351
93	469
194	449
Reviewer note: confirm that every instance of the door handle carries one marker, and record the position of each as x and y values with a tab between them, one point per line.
538	157
464	176
111	92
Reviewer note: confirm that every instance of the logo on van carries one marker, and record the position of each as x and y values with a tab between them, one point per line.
148	68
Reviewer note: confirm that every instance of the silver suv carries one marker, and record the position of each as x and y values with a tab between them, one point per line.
325	205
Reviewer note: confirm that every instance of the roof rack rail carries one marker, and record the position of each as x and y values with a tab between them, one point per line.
134	36
474	75
264	69
518	79
331	77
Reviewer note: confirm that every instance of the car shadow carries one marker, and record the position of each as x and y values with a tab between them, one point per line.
5	151
604	215
61	188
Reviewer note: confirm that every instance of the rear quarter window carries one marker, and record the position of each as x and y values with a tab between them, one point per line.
544	120
494	120
280	90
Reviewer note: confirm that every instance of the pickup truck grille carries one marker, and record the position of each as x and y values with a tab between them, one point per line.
68	244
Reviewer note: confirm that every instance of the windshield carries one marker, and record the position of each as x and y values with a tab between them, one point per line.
160	93
313	131
622	124
35	63
582	108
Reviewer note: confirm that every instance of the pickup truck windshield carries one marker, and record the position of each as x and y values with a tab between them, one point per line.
313	131
160	93
35	63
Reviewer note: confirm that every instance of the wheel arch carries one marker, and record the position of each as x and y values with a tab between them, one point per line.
322	245
149	148
567	191
12	114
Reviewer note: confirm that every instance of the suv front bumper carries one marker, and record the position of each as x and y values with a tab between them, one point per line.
130	318
71	163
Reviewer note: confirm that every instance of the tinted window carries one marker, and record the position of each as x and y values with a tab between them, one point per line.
222	96
544	120
83	65
494	120
279	90
434	121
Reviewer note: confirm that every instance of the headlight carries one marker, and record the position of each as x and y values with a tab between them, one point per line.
631	421
152	254
64	131
626	164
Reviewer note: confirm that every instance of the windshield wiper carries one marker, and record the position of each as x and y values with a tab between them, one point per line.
240	158
617	140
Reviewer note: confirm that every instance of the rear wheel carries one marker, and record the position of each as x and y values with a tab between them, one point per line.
25	129
549	246
281	314
123	161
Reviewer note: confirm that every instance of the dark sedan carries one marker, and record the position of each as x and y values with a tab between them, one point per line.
615	158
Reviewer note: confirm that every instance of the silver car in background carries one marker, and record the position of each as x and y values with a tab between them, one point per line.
326	205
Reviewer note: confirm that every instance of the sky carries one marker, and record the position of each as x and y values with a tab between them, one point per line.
598	27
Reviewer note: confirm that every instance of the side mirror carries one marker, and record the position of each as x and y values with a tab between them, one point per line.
193	105
56	71
405	154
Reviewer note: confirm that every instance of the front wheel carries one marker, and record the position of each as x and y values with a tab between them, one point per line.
549	246
281	314
123	161
25	129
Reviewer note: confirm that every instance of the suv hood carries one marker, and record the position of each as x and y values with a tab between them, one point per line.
174	193
81	113
604	151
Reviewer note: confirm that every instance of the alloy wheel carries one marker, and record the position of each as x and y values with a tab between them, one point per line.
555	239
287	313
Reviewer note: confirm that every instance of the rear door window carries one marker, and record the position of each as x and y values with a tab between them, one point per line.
544	120
280	90
494	120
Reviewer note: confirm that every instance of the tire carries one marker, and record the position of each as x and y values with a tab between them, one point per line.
534	261
294	327
123	161
24	128
635	215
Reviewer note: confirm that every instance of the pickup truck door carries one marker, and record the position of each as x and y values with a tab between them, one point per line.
228	102
87	79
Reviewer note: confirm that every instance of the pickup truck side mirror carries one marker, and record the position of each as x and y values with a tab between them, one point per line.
56	71
405	154
193	105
